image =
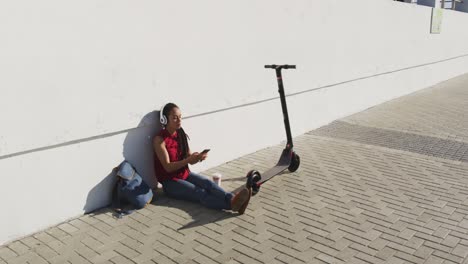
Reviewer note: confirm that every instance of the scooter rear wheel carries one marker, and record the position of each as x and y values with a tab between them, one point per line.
295	161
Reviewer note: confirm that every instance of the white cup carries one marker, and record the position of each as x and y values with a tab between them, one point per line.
217	178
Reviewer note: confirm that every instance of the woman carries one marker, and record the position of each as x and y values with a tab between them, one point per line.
171	166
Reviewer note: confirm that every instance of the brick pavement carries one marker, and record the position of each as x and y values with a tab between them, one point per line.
370	189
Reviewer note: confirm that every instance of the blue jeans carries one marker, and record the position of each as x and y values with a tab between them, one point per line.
197	188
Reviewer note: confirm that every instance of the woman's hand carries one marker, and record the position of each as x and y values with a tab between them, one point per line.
197	157
203	156
194	158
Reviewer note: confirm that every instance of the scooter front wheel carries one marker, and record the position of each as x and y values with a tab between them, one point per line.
295	161
253	177
255	185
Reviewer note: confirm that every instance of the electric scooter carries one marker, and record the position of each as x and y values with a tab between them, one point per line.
288	159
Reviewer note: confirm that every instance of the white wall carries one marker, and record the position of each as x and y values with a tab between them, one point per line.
80	82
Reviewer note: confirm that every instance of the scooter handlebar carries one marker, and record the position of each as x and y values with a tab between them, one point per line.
274	66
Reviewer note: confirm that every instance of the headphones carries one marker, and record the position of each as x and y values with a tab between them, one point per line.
162	117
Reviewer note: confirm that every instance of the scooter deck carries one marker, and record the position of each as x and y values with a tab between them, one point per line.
283	163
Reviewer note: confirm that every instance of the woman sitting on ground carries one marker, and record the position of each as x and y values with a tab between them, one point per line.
171	166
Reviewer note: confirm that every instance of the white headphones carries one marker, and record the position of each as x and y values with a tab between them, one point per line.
162	117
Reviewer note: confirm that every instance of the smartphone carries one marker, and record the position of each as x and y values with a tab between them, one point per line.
205	151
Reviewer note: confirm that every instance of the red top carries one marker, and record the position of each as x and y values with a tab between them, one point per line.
172	147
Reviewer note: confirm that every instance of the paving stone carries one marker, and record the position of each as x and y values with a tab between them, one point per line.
68	228
105	256
164	260
441	232
40	260
23	258
363	249
423	252
460	251
18	247
367	258
434	259
450	241
447	256
414	243
327	258
6	253
45	252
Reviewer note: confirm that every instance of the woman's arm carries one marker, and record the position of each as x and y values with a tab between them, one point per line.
161	152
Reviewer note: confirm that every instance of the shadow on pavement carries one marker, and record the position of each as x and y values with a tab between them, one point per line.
200	215
138	150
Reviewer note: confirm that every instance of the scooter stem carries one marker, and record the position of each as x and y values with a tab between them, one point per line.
284	107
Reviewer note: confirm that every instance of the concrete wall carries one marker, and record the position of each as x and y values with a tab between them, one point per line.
80	83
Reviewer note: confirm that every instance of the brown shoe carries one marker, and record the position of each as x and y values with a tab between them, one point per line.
244	206
239	199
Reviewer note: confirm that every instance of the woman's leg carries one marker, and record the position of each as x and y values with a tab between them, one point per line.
185	190
209	186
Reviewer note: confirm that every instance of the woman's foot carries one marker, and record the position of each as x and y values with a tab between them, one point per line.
244	206
239	200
